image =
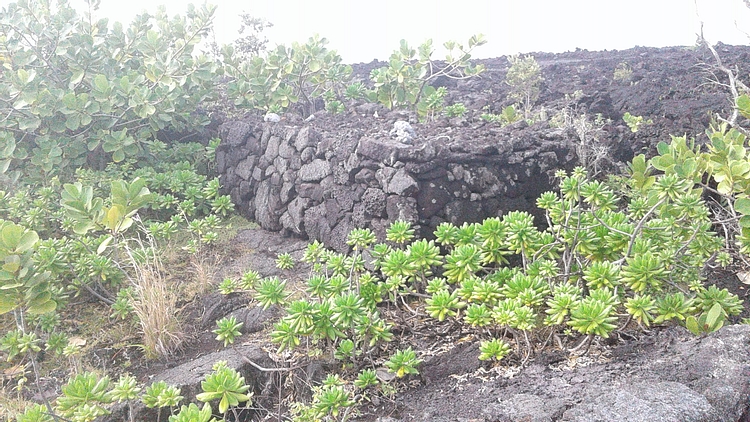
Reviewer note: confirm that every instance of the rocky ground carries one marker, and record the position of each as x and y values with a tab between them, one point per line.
664	375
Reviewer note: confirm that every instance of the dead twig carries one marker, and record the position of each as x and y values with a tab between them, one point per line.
262	369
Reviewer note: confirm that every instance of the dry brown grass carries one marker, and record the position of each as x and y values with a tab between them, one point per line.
203	271
155	304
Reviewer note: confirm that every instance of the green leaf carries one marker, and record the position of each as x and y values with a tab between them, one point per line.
83	227
662	148
692	325
639	164
42	306
77	77
742	205
103	246
101	83
10	236
113	217
73	121
714	314
118	156
27	241
7	303
743	105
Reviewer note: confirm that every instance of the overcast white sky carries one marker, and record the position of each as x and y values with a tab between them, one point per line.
364	30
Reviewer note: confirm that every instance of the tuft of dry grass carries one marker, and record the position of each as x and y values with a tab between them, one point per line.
204	273
154	302
12	403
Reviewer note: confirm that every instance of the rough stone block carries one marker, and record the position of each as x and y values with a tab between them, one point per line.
315	171
402	208
306	138
402	184
373	201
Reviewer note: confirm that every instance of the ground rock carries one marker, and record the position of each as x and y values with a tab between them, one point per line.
235	133
256	318
188	377
670	376
645	402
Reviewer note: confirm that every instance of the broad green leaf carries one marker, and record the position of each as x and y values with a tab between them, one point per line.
76	78
103	246
10	236
725	187
118	156
126	223
662	148
23	76
27	241
73	121
69	100
83	227
101	83
743	105
742	205
692	325
714	314
7	303
39	308
639	164
119	192
113	217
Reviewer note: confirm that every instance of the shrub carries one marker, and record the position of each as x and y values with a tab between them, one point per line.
524	78
287	75
79	92
635	122
455	110
405	81
623	72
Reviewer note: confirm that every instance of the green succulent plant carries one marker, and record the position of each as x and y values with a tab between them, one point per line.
191	413
493	349
443	304
84	397
270	291
367	378
400	232
226	385
403	362
227	330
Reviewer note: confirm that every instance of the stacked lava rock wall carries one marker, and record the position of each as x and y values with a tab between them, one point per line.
292	178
